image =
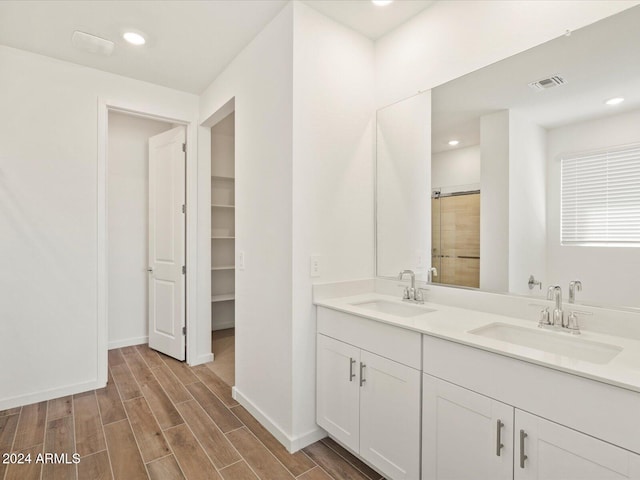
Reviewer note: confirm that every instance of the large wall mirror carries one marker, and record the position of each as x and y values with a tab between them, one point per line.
523	174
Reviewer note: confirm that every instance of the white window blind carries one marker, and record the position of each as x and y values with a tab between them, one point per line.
600	200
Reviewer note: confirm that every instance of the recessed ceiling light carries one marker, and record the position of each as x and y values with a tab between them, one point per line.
134	38
614	101
381	3
453	143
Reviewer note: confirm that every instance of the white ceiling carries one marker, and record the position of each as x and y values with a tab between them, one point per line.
599	62
188	42
367	18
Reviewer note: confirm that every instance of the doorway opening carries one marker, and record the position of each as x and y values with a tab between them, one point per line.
223	253
145	232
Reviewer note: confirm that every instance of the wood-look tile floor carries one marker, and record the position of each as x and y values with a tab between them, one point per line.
158	418
224	348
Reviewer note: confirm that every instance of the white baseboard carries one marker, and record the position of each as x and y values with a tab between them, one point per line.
127	342
292	444
300	441
206	358
35	397
223	325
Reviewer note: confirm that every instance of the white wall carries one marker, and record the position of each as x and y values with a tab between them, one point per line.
403	187
304	185
333	141
609	274
494	201
527	204
128	204
452	38
48	204
456	167
260	79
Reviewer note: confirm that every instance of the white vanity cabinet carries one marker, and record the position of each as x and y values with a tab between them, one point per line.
368	391
420	406
468	436
556	426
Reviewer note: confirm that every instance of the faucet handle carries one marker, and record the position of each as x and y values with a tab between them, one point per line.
420	294
572	321
545	316
405	292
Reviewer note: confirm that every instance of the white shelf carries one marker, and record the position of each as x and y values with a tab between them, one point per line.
218	205
226	267
216	237
222	177
223	298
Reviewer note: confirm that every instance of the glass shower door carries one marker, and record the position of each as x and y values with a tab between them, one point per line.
456	238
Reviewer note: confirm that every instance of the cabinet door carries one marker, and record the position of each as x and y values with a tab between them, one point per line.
461	434
389	417
338	390
552	452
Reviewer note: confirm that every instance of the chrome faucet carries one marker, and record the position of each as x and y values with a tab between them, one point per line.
555	293
573	286
410	294
557	318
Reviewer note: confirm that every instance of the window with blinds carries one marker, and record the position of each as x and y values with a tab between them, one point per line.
600	199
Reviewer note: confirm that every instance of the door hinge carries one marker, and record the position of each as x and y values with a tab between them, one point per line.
184	330
184	269
184	147
183	209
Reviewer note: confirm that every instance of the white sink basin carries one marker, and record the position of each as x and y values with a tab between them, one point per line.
392	308
558	343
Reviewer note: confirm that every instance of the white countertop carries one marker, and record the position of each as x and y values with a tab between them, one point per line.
454	324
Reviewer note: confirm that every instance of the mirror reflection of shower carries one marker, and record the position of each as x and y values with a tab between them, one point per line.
455	230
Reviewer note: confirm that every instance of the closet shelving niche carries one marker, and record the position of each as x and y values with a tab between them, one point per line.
223	224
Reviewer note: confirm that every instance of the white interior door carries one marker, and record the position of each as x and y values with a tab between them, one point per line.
167	243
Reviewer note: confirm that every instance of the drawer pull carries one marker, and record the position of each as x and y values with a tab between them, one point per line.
351	374
362	379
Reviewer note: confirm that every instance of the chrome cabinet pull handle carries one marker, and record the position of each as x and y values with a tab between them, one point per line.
351	374
362	379
499	444
523	457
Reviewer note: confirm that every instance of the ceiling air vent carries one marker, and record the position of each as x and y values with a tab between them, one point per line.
92	44
547	83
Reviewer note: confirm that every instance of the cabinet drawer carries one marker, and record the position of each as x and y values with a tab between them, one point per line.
395	343
597	409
